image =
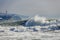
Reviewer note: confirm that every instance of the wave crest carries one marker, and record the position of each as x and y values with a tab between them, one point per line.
36	20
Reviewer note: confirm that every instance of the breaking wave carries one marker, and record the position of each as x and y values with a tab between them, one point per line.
37	21
43	23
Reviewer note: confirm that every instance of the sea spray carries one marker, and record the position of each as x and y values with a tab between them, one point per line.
36	21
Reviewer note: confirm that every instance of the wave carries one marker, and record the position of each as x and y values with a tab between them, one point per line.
36	21
43	23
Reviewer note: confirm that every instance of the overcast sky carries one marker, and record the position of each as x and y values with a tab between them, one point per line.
47	8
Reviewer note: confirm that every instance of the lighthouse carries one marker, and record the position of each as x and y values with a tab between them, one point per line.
6	11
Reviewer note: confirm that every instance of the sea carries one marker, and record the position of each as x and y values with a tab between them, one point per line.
36	28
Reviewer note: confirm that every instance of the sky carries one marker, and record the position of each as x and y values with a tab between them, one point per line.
46	8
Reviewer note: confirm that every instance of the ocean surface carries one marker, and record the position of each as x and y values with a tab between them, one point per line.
36	28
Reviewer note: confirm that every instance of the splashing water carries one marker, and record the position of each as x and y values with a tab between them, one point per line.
36	20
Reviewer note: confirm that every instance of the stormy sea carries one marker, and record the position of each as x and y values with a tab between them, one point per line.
34	28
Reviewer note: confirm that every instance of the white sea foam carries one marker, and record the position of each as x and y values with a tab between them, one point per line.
28	35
